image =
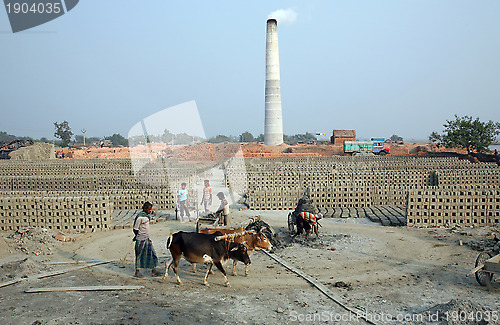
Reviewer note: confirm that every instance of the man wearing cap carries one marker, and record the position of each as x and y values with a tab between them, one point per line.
145	255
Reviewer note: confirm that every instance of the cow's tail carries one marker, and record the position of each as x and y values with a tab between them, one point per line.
169	241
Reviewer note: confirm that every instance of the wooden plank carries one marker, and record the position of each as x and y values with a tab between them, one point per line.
72	262
494	259
493	267
475	270
46	275
89	288
8	283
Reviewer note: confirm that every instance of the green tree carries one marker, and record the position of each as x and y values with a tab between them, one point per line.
260	138
468	133
117	140
63	132
246	137
396	138
294	139
220	138
167	136
5	137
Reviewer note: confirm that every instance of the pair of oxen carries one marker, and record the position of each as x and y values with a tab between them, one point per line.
214	247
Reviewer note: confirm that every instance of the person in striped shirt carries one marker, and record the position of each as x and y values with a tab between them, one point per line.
206	199
306	221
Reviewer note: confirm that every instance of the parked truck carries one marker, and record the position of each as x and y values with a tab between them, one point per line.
376	146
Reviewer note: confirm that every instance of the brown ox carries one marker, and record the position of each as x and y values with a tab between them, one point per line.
252	241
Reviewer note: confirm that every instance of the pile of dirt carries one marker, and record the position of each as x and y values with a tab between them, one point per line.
21	269
39	150
276	239
479	238
490	244
32	241
459	312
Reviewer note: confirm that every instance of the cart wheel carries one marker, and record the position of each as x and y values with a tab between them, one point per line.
291	225
483	277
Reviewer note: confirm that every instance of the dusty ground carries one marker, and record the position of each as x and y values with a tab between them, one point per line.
400	272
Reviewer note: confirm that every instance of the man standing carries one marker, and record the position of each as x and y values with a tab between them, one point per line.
182	198
145	255
206	199
224	209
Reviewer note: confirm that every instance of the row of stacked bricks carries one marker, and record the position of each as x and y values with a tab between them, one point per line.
68	214
121	199
375	178
340	196
134	199
449	208
386	180
357	196
486	176
274	198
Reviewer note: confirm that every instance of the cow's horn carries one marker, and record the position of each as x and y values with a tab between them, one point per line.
218	238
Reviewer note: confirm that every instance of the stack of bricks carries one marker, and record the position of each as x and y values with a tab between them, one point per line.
121	199
449	208
375	181
69	214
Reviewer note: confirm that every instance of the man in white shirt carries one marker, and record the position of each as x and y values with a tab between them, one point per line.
145	255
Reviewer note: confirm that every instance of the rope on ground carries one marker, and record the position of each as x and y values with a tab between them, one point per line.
320	287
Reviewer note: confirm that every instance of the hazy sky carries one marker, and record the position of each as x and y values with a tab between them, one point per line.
379	67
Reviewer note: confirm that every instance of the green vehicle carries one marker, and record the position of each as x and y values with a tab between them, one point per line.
376	146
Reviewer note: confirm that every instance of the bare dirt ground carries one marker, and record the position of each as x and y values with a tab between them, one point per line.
215	151
395	273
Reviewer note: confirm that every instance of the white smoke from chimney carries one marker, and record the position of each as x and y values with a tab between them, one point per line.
284	16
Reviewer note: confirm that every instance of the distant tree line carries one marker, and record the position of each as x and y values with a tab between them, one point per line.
5	137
